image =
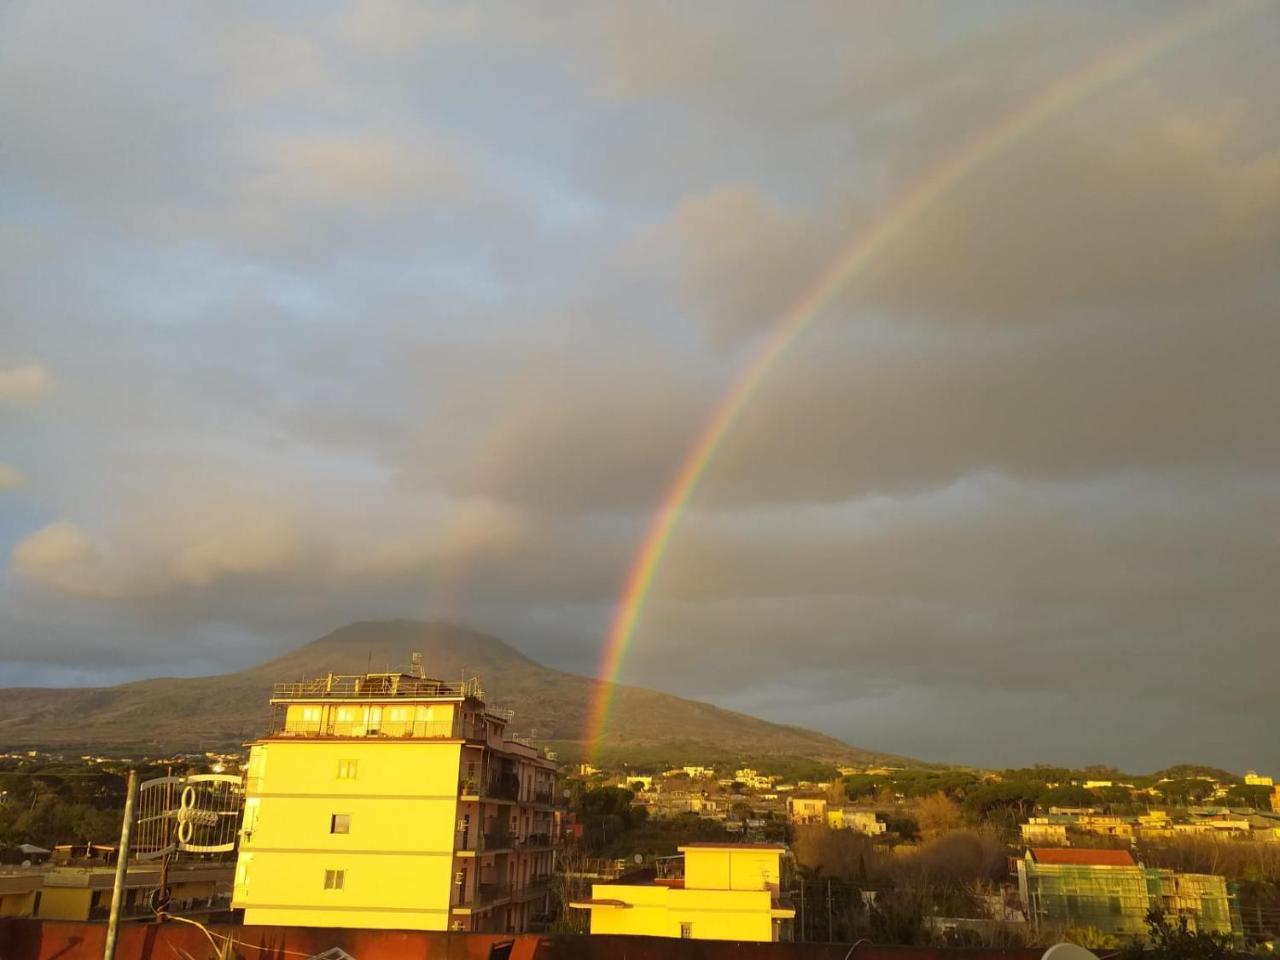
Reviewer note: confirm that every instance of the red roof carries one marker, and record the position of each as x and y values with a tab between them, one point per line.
1082	858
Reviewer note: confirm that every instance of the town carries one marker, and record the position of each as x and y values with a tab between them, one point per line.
399	801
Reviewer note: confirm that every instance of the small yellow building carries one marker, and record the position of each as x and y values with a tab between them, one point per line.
18	888
84	893
728	892
394	801
801	809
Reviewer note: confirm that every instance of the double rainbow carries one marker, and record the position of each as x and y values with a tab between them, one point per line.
896	219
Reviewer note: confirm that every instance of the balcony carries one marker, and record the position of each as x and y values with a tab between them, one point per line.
397	730
545	798
534	888
473	841
503	786
536	841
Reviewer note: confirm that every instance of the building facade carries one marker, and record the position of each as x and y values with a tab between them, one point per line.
1108	891
728	892
394	801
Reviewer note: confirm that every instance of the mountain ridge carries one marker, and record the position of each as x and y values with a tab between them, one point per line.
550	705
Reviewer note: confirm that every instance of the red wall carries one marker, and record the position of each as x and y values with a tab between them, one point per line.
51	940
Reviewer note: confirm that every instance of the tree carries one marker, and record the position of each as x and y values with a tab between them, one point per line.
1179	942
937	814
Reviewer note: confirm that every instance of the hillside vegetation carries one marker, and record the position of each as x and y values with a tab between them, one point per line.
550	705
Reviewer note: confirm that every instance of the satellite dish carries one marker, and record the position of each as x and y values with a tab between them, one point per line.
1068	951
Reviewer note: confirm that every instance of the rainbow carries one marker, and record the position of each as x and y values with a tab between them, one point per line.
896	219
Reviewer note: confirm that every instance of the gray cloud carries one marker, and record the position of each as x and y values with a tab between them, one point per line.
416	310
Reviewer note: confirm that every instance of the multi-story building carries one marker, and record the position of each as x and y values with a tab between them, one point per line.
394	801
728	892
1046	830
1107	890
1253	779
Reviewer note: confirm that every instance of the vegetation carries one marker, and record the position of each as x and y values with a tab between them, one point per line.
551	707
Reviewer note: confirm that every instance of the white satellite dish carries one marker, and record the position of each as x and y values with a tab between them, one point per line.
1068	951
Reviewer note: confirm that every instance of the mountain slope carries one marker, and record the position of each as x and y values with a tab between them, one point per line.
551	706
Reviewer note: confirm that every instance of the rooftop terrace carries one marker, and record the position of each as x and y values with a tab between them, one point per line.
376	686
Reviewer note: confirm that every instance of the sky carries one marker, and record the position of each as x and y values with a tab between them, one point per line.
317	312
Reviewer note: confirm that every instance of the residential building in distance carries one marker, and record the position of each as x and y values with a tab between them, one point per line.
85	892
1109	891
861	821
1253	779
806	809
1275	800
1050	830
392	800
728	892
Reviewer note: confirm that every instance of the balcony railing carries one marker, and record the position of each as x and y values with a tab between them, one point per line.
499	840
388	730
505	786
536	840
373	686
489	892
544	797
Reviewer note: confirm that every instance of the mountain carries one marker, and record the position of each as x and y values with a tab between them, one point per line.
550	705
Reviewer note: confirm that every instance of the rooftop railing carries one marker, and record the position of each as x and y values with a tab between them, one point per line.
389	730
374	685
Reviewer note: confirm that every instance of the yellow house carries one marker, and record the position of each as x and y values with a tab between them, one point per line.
84	893
394	801
18	888
806	809
728	892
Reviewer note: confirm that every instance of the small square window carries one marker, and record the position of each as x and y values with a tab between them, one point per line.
340	823
334	879
686	931
348	769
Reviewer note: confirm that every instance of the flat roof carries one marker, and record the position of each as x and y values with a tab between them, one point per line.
707	845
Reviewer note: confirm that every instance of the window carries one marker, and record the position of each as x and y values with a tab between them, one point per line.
310	714
340	823
347	769
686	931
1116	908
398	714
334	879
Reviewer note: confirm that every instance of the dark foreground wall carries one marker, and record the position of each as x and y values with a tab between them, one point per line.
50	940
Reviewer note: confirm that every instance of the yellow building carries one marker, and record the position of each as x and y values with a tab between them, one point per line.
806	809
84	893
728	892
18	889
394	801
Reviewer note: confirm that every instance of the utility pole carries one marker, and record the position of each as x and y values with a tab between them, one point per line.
830	936
122	867
803	933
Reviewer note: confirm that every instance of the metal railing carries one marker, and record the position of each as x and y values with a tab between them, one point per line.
374	685
388	730
502	786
